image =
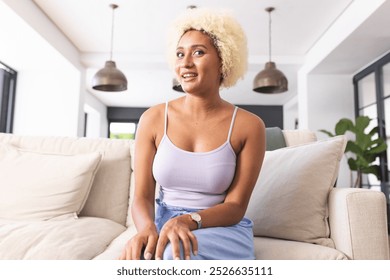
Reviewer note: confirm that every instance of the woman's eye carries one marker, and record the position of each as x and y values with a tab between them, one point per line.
179	55
198	52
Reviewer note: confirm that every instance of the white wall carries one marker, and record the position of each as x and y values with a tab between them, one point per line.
290	114
330	98
97	117
47	102
50	89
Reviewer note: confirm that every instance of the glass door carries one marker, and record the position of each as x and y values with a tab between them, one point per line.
372	98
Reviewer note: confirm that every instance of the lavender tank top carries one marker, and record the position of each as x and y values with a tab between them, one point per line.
193	179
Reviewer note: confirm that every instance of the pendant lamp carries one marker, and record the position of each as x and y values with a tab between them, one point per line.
270	80
110	78
176	85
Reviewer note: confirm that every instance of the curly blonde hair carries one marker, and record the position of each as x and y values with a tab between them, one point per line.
226	33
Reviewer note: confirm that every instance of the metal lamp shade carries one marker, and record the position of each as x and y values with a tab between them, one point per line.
176	85
270	80
109	78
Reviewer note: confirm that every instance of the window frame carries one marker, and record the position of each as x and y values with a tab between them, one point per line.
8	79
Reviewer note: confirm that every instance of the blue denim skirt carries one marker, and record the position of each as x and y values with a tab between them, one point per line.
214	243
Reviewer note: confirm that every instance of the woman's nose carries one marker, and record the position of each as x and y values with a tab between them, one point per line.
187	62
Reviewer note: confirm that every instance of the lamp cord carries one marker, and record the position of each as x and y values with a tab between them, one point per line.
269	35
112	31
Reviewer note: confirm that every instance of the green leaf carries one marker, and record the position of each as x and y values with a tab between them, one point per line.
381	147
352	164
373	169
343	125
362	162
353	147
373	131
363	140
369	157
330	134
362	122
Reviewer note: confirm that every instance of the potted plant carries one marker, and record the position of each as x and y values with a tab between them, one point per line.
363	150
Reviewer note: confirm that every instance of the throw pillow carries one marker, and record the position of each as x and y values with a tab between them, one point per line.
38	186
289	200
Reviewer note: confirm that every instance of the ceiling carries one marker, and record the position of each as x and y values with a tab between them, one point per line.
140	38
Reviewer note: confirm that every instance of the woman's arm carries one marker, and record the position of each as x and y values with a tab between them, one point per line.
249	162
249	144
142	208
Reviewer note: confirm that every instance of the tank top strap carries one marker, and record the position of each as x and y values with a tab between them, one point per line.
166	118
232	123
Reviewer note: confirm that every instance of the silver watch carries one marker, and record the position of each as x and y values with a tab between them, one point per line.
196	218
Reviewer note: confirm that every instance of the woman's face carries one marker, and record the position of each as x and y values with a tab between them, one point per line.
198	66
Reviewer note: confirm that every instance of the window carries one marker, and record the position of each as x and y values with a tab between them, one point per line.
122	130
7	97
123	121
372	98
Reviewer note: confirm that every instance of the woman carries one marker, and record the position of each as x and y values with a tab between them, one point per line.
204	152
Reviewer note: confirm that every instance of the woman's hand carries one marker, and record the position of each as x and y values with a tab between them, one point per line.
174	231
146	239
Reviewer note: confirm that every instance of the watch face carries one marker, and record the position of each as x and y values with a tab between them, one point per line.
196	217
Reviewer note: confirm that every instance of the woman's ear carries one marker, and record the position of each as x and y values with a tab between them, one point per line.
222	76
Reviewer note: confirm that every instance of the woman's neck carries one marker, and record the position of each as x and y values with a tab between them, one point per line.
202	107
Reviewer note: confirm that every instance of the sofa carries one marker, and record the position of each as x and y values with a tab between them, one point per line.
68	198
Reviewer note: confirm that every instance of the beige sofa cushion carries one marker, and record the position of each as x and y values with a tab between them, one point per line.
42	186
67	239
109	195
290	198
278	249
295	137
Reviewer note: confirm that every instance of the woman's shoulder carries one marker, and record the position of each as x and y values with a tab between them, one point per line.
152	120
157	111
249	120
248	128
154	112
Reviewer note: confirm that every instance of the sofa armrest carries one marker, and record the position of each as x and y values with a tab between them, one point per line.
358	223
116	246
